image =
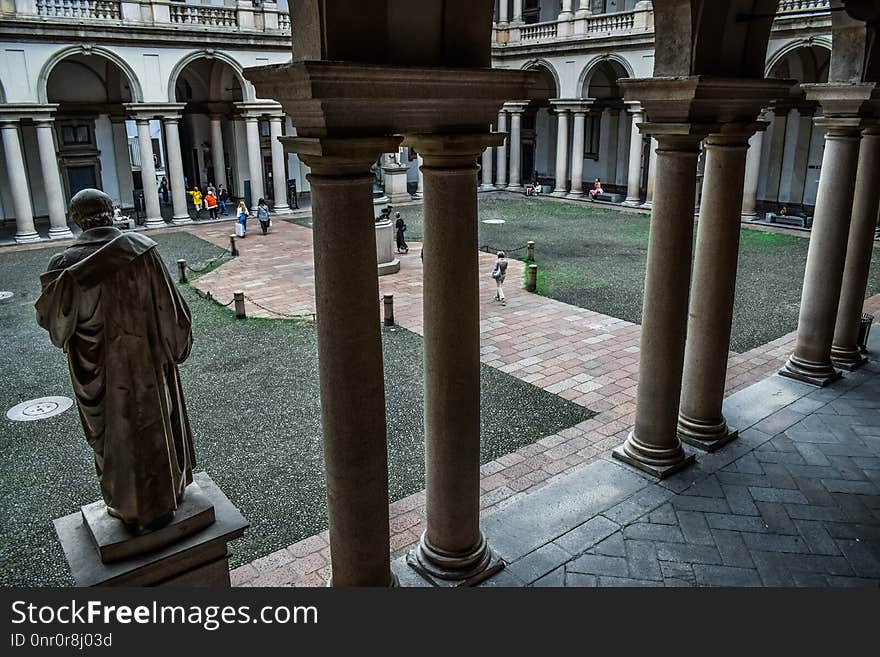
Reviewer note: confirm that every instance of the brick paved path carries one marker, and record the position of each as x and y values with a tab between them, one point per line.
581	355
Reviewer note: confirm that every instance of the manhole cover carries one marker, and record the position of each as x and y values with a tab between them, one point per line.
39	409
4	295
493	221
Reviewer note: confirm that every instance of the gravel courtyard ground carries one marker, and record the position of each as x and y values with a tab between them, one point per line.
252	393
594	257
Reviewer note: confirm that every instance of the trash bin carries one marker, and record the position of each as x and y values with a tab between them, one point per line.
865	330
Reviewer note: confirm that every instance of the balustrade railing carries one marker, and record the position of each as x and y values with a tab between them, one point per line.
203	15
607	23
97	9
538	31
283	21
802	6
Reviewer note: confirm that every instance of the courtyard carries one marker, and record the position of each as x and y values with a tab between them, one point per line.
557	379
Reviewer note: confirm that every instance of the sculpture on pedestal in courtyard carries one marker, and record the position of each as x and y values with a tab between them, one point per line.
110	304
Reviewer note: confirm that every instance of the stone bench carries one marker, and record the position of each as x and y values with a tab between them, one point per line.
124	224
803	222
610	198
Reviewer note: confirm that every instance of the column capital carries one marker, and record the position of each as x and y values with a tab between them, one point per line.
150	111
257	109
453	150
734	135
12	112
838	99
685	137
633	107
571	104
515	106
840	127
340	156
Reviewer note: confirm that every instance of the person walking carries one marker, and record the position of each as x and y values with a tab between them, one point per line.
400	229
263	215
197	201
498	274
211	205
223	199
243	215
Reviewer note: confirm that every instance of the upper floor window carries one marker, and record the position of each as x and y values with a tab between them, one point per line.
75	134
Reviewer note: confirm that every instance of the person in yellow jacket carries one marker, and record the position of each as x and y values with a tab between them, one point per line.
197	200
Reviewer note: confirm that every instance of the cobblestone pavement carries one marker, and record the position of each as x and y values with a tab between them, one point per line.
581	355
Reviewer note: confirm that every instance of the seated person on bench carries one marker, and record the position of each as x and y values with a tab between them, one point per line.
534	189
597	189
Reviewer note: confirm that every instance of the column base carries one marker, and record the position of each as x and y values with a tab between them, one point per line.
501	186
647	205
27	238
417	196
560	193
707	436
816	374
848	358
657	463
578	196
487	187
281	208
515	188
632	202
453	570
155	222
749	216
60	233
180	221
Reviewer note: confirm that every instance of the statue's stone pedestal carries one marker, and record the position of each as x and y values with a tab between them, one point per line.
388	262
196	556
395	184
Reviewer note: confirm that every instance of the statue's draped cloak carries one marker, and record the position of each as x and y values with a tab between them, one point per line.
110	303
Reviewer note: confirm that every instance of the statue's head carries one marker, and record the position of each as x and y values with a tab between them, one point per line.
91	208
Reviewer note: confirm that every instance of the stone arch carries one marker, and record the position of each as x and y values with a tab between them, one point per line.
791	47
135	88
247	89
618	64
539	90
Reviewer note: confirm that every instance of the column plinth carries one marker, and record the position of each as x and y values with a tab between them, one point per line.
58	228
18	184
700	421
453	548
811	360
845	351
653	445
350	355
180	213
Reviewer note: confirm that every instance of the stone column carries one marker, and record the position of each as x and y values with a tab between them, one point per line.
485	170
515	141
517	12
279	171
420	187
18	182
652	168
752	176
255	157
453	546
845	351
503	12
566	14
777	151
654	445
122	161
58	228
180	213
634	171
218	156
561	151
350	355
700	420
577	154
501	169
148	174
811	360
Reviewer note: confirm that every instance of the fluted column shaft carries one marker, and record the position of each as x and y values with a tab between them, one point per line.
561	188
453	546
218	156
811	360
577	154
845	351
701	421
653	445
634	170
18	184
175	170
148	174
350	355
58	228
279	171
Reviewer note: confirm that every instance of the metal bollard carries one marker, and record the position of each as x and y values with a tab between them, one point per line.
388	301
232	248
239	305
532	282
181	270
531	251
